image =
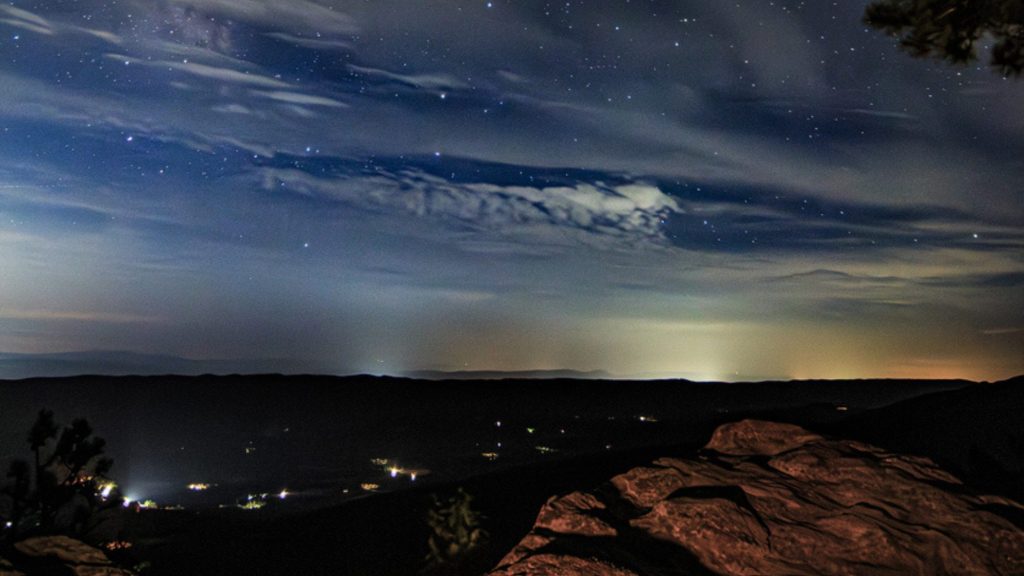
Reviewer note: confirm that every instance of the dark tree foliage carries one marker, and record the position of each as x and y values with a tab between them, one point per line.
951	29
456	537
60	491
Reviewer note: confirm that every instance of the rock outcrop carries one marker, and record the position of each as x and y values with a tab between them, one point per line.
7	569
57	555
766	498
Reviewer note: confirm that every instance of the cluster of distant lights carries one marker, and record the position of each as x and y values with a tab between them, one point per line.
492	455
391	468
260	500
395	471
106	491
257	501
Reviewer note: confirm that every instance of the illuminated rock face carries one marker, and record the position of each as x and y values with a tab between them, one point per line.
7	569
57	555
767	499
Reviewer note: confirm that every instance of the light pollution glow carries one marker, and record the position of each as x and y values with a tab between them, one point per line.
380	187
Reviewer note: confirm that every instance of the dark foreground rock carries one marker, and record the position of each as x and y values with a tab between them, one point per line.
767	498
57	555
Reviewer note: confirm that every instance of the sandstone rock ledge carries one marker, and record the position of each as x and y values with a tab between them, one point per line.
767	498
49	555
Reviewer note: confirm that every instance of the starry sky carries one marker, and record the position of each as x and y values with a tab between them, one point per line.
711	190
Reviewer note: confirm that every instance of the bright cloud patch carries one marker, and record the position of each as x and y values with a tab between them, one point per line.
634	211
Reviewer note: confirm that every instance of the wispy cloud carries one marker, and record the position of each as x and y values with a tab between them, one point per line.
300	99
895	115
233	108
292	15
837	278
596	173
26	20
26	26
626	212
31	21
1001	331
431	81
204	71
77	316
313	43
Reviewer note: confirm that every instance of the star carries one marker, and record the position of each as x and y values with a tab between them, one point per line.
507	158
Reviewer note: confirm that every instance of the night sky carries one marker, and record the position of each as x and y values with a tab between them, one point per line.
705	189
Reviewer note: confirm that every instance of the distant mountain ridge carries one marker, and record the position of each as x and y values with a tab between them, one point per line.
973	431
510	375
125	363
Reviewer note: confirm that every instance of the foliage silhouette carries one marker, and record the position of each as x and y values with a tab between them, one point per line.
60	492
951	29
457	539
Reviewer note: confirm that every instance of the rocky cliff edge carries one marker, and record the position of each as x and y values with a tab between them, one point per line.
765	498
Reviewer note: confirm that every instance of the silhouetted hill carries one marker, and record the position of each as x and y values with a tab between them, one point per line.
509	375
121	363
173	428
338	540
974	431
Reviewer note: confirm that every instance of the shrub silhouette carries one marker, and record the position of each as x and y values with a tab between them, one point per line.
457	538
60	492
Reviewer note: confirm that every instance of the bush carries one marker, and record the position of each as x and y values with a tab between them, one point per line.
60	490
457	540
